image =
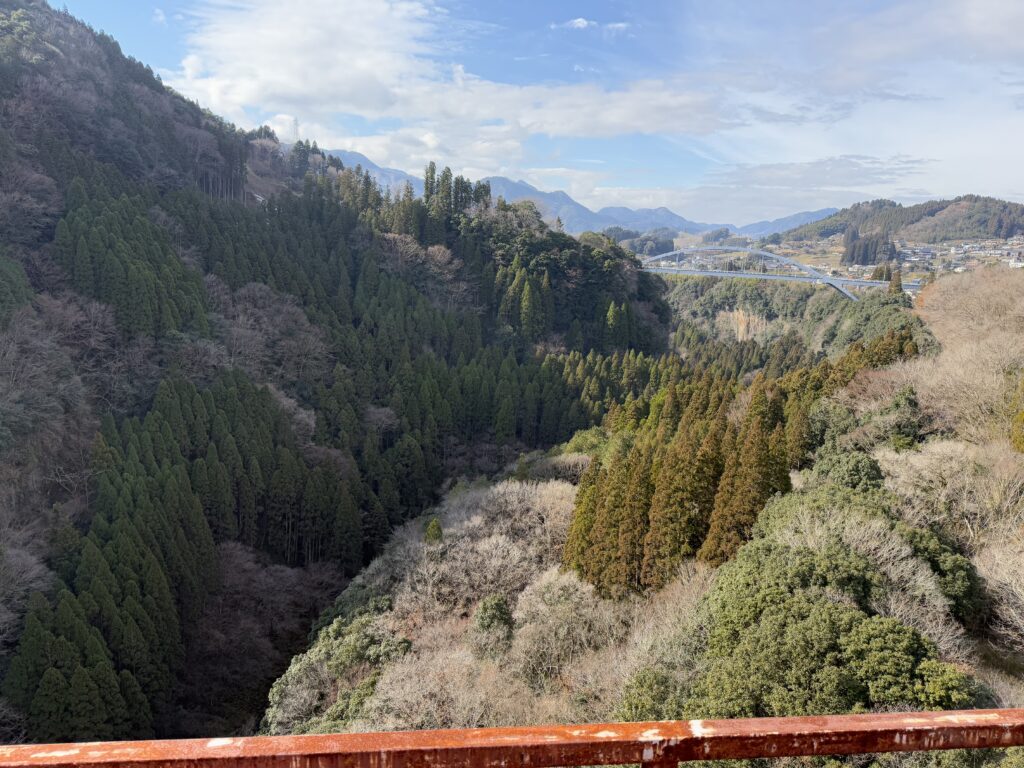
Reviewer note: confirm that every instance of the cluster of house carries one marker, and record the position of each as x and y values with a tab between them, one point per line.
918	258
962	256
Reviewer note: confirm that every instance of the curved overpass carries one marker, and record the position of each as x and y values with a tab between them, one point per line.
807	274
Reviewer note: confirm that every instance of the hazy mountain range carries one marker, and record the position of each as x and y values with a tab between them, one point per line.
576	217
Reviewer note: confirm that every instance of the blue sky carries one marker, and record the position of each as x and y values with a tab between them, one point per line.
727	111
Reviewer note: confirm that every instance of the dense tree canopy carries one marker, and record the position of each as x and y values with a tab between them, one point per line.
14	289
698	462
434	325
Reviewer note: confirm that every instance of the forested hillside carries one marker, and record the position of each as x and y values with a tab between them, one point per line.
862	554
966	217
200	390
281	451
748	310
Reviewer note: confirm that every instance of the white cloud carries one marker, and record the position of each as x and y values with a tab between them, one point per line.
386	60
286	127
159	17
611	28
841	172
783	126
578	23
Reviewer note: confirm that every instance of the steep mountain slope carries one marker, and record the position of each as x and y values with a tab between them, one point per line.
203	390
964	217
217	409
64	88
859	590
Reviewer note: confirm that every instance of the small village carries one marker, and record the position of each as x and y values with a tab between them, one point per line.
916	259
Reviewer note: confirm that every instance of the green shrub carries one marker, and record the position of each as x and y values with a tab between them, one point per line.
357	599
651	694
943	686
884	655
492	626
346	708
907	419
958	578
848	469
590	441
494	615
791	633
364	641
1017	423
829	421
432	533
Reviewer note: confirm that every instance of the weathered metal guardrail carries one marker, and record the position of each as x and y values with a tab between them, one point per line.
656	744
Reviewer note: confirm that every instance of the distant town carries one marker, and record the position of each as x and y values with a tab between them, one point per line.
915	259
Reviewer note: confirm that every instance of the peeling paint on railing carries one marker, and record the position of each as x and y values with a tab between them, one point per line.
657	744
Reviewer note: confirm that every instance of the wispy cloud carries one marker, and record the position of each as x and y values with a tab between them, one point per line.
159	17
577	23
841	172
787	109
581	23
387	61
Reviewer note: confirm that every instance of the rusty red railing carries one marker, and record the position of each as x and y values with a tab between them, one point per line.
655	744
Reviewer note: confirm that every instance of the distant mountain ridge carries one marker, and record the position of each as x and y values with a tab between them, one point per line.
646	219
575	216
387	177
762	228
965	217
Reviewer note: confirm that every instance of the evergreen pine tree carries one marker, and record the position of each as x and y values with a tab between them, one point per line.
82	269
896	283
798	435
628	570
531	313
577	544
741	496
347	536
116	724
86	714
140	717
599	562
48	712
375	528
30	662
613	328
547	297
678	515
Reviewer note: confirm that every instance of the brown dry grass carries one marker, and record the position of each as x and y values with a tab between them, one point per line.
978	319
970	484
967	490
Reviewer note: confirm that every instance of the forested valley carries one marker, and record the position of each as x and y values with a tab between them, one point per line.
198	387
283	451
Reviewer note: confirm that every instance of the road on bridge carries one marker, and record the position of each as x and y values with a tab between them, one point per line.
662	264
